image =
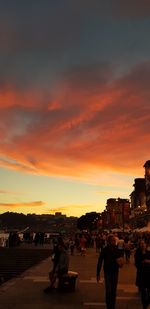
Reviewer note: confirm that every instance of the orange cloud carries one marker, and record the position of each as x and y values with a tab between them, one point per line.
27	204
91	123
10	97
54	106
18	166
9	192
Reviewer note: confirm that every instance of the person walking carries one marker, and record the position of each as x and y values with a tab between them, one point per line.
127	249
112	259
71	245
142	263
83	243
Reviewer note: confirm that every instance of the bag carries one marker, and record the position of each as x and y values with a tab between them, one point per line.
120	262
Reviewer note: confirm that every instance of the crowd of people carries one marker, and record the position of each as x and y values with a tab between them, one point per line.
114	253
113	250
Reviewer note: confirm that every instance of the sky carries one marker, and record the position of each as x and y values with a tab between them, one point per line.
74	103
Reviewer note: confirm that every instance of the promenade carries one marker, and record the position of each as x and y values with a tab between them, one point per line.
26	291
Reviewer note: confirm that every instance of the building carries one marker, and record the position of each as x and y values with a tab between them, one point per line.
138	196
147	183
118	212
105	219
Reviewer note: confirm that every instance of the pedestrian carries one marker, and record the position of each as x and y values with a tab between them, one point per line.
120	245
127	249
99	243
60	266
142	263
83	242
71	245
112	259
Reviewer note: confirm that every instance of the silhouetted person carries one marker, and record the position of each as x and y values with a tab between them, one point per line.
142	263
127	249
109	256
60	265
37	239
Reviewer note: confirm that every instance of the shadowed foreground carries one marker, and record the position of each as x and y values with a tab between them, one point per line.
26	292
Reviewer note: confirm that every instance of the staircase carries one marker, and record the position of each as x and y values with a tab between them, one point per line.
14	261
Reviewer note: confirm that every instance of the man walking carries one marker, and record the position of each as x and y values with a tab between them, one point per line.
112	259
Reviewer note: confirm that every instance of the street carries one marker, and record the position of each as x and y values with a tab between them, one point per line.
26	291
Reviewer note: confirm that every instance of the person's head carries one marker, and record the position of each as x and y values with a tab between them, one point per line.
142	244
111	240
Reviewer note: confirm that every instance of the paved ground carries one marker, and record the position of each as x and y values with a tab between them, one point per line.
27	290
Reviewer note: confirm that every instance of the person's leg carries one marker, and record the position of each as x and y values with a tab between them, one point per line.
148	295
52	278
108	290
144	297
61	279
114	281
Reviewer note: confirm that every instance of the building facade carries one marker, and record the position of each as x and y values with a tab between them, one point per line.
147	183
118	212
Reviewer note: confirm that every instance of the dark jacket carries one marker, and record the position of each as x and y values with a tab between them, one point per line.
109	256
143	269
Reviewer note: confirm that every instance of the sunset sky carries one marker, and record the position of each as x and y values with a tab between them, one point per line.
74	103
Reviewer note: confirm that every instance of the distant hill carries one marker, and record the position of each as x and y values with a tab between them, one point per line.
43	223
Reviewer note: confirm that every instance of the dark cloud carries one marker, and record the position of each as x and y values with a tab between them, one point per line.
38	25
132	8
39	40
88	77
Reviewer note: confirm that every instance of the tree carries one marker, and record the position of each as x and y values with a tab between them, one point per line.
88	221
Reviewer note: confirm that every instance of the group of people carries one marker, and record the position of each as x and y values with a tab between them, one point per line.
114	252
112	258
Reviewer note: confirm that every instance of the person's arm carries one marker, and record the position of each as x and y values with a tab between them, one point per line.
99	265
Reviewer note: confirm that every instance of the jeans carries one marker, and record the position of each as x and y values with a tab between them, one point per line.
111	280
145	297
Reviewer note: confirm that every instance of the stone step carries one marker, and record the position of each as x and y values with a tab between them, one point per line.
14	261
